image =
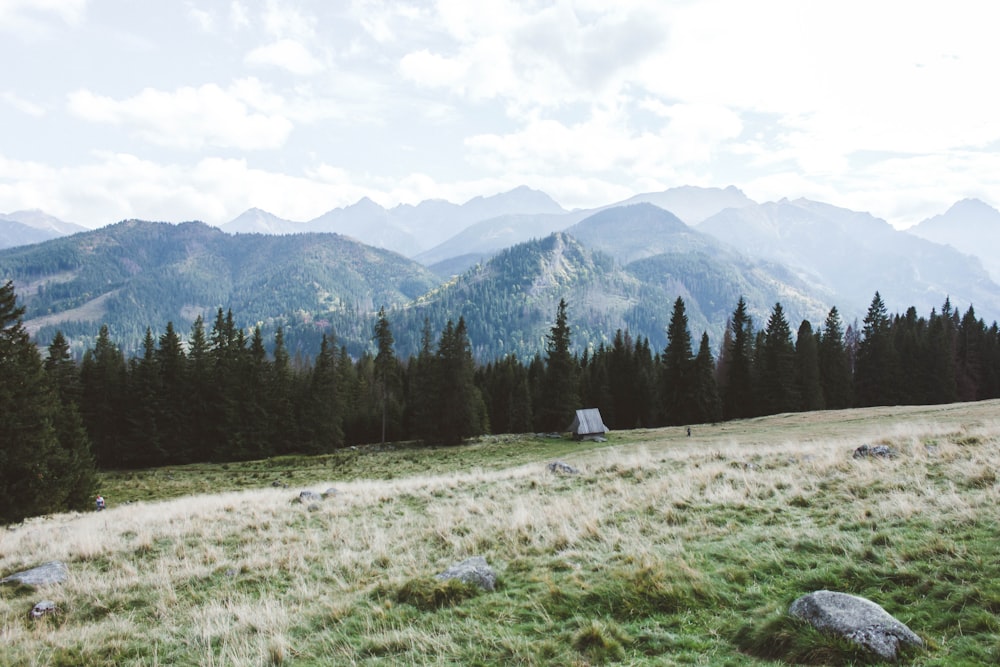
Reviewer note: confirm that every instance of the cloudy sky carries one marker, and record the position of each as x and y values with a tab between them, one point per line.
180	110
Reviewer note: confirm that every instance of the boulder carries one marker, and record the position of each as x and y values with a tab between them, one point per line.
559	467
875	452
475	571
53	572
855	619
43	608
309	497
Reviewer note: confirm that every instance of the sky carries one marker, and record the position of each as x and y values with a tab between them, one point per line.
182	110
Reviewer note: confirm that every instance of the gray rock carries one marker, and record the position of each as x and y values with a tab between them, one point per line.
875	452
562	468
43	608
855	619
330	492
309	497
54	572
475	571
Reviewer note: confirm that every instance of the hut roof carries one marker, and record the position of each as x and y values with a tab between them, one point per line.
587	422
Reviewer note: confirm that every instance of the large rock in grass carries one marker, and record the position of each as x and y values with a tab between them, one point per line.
475	571
855	619
54	572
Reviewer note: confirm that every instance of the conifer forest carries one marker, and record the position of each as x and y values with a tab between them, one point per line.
218	393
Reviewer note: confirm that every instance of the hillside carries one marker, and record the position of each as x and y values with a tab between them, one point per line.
971	227
663	549
849	255
136	274
509	302
484	239
26	227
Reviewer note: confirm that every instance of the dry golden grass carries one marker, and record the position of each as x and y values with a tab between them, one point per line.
253	578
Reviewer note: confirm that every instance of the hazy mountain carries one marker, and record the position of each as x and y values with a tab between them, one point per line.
410	230
508	302
257	221
484	239
850	255
637	231
970	226
34	226
136	274
693	204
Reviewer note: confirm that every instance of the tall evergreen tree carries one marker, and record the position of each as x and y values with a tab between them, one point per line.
738	391
561	384
385	364
942	386
810	389
461	410
875	376
678	368
778	386
834	364
704	390
39	473
76	465
421	389
103	378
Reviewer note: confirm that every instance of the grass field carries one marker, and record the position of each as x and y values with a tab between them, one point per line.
664	549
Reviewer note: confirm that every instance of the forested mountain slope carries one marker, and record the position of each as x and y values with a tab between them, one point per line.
849	255
137	274
509	302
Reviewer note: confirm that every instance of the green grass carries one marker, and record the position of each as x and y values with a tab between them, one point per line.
663	550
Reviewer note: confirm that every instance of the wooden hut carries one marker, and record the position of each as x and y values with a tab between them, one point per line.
588	424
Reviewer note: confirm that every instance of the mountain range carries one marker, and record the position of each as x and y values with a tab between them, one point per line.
26	227
619	266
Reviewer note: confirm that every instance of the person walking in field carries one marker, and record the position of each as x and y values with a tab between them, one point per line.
99	503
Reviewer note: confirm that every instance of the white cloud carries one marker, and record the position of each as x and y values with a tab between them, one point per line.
238	15
33	19
286	54
188	118
21	104
285	22
203	19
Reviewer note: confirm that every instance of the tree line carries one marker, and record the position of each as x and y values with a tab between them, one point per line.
218	395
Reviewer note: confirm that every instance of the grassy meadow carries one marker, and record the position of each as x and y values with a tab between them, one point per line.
663	550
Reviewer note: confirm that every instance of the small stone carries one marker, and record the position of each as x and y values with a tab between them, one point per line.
559	467
875	451
309	497
43	608
475	571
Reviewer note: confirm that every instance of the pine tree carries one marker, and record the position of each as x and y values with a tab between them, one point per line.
834	364
875	376
103	376
421	389
704	390
738	396
560	386
942	386
776	361
77	462
807	369
678	368
39	472
385	364
461	410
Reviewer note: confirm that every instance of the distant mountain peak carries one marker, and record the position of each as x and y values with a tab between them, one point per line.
972	206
